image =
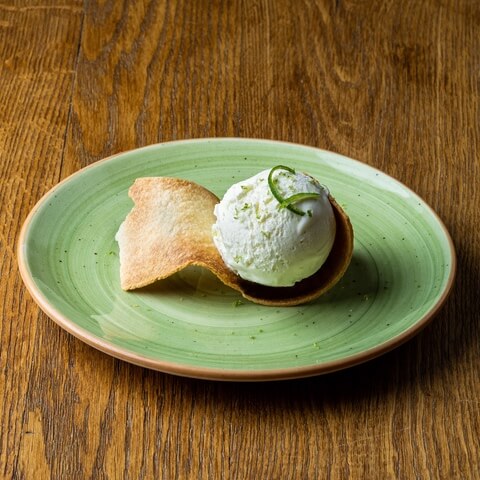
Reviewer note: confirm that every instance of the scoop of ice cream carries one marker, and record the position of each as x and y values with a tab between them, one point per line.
264	241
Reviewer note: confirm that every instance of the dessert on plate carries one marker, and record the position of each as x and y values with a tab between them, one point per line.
279	237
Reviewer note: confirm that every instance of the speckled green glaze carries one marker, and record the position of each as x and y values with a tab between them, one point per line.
402	268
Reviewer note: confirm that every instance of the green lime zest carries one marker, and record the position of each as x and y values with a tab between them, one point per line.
289	201
297	197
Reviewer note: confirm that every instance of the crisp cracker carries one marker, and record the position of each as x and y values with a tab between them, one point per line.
170	228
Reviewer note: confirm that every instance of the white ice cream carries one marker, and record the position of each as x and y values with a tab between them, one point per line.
268	244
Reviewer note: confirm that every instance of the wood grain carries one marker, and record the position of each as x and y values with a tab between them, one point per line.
393	84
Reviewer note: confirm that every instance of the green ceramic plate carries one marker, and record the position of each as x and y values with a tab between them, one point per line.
402	269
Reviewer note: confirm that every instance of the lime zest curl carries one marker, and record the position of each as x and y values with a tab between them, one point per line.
297	197
289	201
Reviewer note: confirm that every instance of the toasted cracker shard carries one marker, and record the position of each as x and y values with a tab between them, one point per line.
170	228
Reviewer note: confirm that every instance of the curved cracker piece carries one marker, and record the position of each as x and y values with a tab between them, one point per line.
170	228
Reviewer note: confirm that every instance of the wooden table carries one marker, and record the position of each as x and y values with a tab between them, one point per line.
394	84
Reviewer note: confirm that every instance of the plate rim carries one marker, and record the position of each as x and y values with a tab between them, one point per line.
215	373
